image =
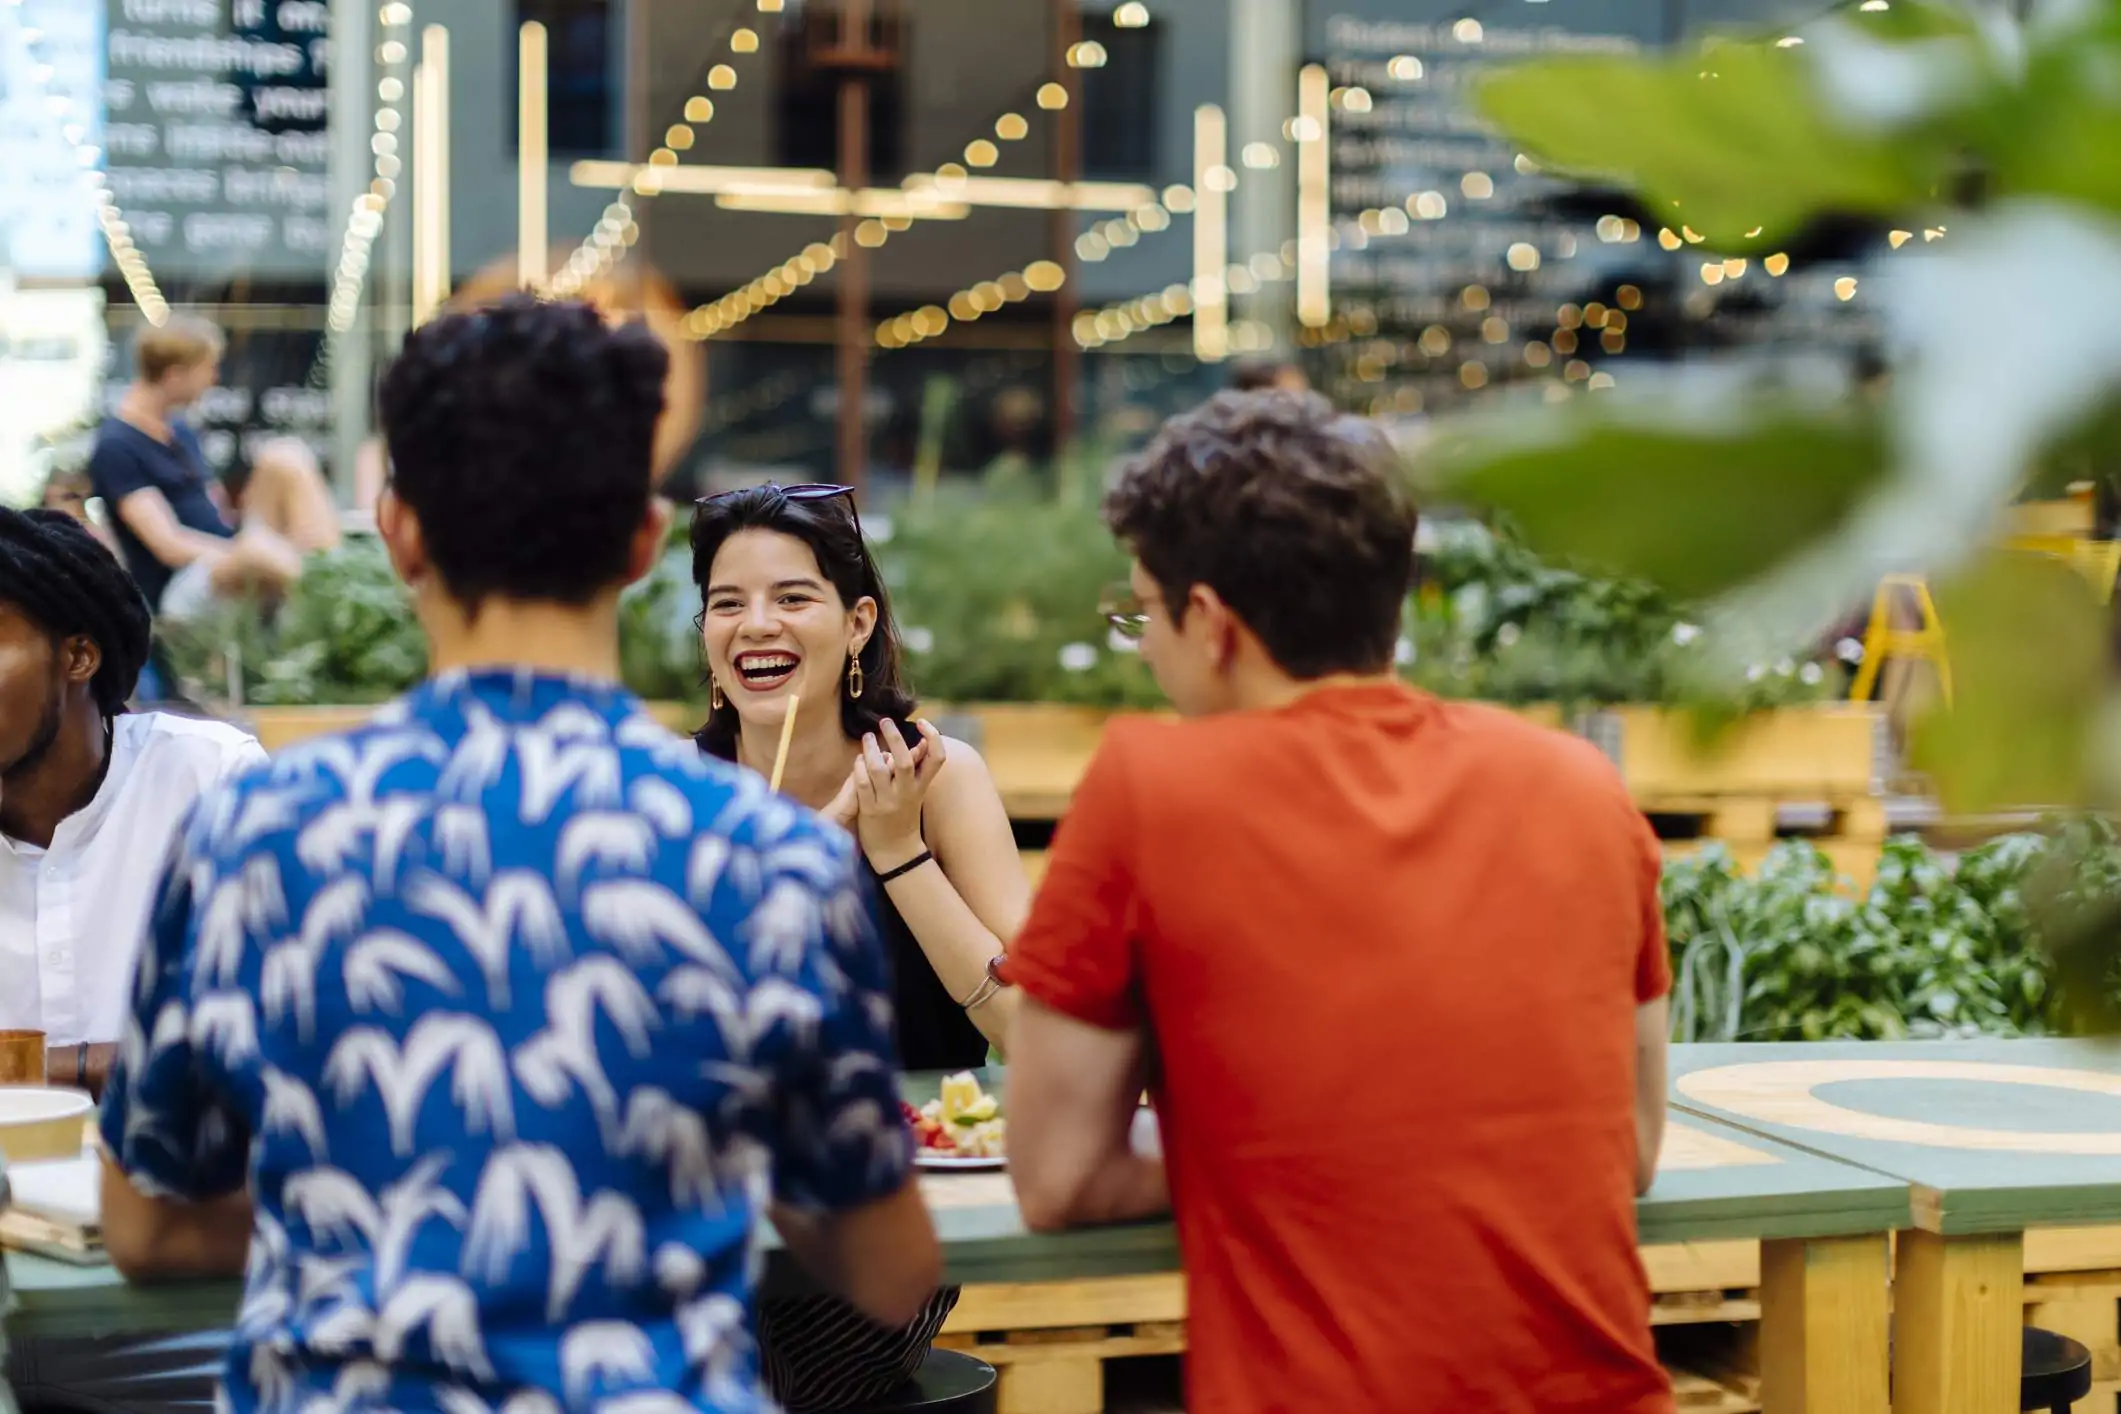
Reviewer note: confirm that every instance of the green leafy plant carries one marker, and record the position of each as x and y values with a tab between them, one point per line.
1939	945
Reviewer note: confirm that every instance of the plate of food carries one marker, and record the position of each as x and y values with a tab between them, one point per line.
961	1129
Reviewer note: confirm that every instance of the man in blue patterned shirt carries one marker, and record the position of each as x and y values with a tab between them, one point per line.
488	1030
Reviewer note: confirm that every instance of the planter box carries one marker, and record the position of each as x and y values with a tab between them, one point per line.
276	727
1833	752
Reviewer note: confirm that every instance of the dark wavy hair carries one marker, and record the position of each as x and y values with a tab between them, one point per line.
521	434
1291	511
829	528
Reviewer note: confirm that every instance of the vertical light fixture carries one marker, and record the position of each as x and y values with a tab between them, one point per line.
533	249
1211	234
430	176
1314	196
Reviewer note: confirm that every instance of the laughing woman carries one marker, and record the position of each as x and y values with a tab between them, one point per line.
794	610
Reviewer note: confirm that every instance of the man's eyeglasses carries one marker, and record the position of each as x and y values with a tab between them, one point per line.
1123	609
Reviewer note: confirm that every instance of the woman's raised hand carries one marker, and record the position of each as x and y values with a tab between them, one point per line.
890	780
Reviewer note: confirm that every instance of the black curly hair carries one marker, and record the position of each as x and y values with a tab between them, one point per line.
54	569
1295	514
521	435
829	528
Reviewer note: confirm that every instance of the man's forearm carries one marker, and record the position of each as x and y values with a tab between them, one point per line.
1126	1187
81	1067
186	1242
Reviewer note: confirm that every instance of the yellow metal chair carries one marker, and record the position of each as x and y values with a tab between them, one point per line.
1883	639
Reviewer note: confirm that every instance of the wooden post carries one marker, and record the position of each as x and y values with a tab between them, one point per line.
1067	168
1823	1325
1958	1306
853	337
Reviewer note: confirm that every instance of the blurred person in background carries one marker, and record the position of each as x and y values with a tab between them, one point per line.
170	518
91	797
505	989
794	611
69	492
1393	967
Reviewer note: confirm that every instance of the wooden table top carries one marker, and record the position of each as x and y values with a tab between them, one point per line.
1993	1136
1714	1182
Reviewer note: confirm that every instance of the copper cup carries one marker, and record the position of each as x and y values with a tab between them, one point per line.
22	1058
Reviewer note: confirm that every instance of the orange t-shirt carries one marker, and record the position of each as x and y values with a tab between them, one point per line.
1390	949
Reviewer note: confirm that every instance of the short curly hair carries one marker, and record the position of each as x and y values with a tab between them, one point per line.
1294	514
57	573
522	434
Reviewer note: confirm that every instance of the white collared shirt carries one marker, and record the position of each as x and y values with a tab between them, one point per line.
72	916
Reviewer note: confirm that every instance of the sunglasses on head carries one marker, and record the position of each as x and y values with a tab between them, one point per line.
809	491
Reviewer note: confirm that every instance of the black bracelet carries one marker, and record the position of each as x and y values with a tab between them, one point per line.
81	1066
907	868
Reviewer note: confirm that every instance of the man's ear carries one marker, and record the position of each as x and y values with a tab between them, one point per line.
1218	625
649	539
83	658
402	539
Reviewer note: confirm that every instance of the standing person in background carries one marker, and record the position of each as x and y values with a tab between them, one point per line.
1397	979
91	797
170	519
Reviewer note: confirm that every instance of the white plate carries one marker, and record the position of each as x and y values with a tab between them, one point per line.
955	1163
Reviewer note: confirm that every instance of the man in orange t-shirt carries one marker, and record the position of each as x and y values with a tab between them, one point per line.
1394	968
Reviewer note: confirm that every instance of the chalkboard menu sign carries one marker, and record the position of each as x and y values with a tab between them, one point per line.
215	135
1461	267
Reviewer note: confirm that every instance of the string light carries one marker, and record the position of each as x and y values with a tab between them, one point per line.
970	304
364	219
618	229
110	219
762	293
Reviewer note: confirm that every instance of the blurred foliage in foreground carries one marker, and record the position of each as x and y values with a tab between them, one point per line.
1780	509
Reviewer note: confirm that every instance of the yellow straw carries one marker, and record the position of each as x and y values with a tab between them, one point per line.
780	758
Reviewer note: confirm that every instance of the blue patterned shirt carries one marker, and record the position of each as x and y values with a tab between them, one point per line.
512	1008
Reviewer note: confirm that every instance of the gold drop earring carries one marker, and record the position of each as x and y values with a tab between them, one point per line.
715	699
855	680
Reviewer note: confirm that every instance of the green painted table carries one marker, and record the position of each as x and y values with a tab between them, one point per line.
1995	1139
1821	1266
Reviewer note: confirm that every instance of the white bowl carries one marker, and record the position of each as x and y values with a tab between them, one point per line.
42	1122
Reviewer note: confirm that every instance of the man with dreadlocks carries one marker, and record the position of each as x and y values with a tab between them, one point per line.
90	796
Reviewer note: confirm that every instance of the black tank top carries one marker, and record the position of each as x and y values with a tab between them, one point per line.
933	1031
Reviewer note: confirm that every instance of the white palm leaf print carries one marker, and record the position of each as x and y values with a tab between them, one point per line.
217	952
625	844
551	769
140	1049
716	857
480	757
604	1352
289	980
467	845
691	991
264	900
377	966
715	1332
517	904
646	1401
455	1399
662	805
566	1050
467	1046
573	721
359	764
848	926
448	1310
679	1270
270	1375
782	928
638	918
267	1301
776	1002
864	1127
226	1024
810	858
337	1205
331	841
291	1108
665	748
606	1229
663	1131
357	1382
262	812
